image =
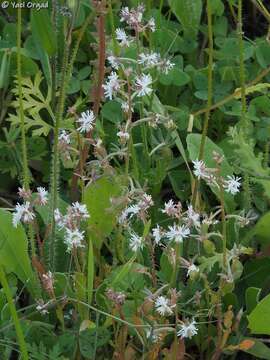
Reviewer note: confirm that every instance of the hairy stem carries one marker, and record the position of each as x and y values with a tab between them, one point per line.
14	315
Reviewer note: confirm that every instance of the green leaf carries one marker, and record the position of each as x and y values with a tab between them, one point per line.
13	251
259	319
259	349
112	111
91	339
188	13
252	298
42	30
97	199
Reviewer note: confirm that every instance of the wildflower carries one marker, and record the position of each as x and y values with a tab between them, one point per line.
193	217
157	234
58	218
133	17
152	24
41	307
136	242
64	138
80	211
172	209
145	202
149	60
114	62
117	297
23	213
163	306
131	210
125	107
24	194
192	269
143	83
123	135
122	37
42	195
200	169
166	66
188	330
177	233
112	85
232	185
73	238
86	121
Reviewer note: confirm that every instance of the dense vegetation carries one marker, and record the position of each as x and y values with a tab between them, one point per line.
134	179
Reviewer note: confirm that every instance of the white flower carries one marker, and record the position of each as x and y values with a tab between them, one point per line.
122	37
112	85
167	66
232	185
193	217
199	169
42	195
163	306
177	233
125	107
143	83
57	216
145	202
135	242
64	137
149	60
157	234
80	210
171	209
73	239
192	269
123	135
131	210
22	213
152	24
124	13
86	121
114	62
188	330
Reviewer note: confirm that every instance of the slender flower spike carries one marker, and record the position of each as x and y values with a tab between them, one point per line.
232	185
122	37
112	86
42	195
143	85
163	306
188	330
86	121
177	233
23	213
135	242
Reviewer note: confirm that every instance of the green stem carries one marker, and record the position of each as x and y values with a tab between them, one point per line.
26	179
242	68
14	315
209	95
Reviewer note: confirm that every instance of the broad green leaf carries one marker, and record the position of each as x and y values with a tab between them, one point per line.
103	216
188	13
259	349
259	319
252	298
13	251
112	111
42	30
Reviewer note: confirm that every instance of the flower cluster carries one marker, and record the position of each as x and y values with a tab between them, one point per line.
25	212
70	223
231	184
